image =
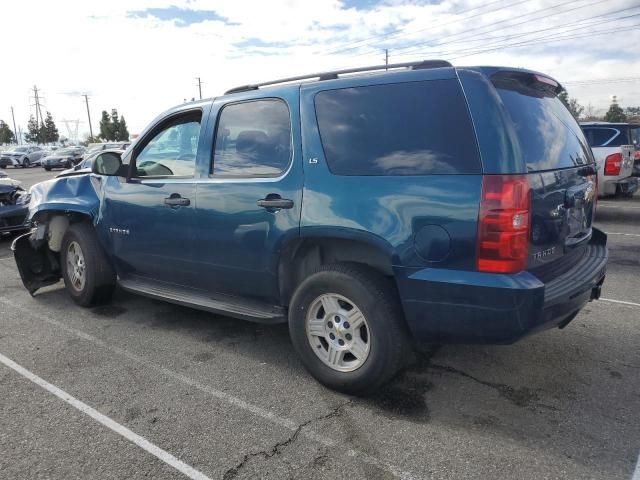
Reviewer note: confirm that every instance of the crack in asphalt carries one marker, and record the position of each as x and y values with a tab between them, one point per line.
276	448
521	397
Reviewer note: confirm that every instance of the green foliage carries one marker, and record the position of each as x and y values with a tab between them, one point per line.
6	134
112	127
34	131
123	132
49	130
106	126
615	114
571	103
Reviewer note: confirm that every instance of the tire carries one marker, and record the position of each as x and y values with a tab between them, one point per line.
25	162
48	169
383	333
99	279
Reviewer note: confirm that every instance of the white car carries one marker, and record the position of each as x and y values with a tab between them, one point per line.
613	150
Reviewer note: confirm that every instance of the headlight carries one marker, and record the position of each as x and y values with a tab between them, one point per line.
23	199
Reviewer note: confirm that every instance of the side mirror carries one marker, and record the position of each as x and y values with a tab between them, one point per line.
109	163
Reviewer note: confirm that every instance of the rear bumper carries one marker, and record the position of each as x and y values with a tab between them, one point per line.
449	306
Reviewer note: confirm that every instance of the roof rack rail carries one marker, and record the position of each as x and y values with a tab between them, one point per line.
331	75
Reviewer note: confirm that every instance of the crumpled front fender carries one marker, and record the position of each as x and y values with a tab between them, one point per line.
69	194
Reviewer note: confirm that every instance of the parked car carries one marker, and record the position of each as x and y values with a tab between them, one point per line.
85	165
63	158
96	147
362	209
613	147
14	208
21	156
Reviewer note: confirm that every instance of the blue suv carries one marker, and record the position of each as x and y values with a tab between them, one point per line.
364	207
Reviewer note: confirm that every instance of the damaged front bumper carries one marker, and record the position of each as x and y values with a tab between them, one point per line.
37	264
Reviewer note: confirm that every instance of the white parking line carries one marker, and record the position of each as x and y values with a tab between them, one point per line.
220	395
141	442
625	234
621	302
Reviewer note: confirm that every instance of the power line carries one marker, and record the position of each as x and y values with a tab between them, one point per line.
592	81
548	40
579	24
484	29
514	35
400	32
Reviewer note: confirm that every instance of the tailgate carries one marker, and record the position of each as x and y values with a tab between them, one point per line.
561	170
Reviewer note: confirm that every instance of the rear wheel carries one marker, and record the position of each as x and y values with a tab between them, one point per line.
346	324
88	276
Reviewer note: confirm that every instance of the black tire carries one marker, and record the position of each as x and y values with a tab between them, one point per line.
48	169
25	162
377	299
100	278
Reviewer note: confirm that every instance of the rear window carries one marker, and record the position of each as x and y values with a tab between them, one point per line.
548	135
415	128
606	136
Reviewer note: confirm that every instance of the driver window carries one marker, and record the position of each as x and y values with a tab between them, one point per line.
172	150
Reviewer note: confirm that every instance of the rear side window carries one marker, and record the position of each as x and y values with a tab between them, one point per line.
604	137
549	137
253	139
416	128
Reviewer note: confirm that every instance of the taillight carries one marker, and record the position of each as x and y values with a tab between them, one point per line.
636	155
612	164
503	224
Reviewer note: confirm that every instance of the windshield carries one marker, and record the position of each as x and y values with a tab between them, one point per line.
18	149
66	151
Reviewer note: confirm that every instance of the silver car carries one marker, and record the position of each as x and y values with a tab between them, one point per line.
22	156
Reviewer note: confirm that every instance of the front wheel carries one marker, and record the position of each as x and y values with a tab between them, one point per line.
346	324
25	162
88	276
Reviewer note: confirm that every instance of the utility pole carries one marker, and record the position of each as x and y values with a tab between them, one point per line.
15	132
35	96
86	99
386	57
199	87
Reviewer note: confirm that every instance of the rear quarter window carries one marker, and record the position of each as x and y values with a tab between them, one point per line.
415	128
604	136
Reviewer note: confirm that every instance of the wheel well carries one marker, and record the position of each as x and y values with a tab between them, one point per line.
56	229
302	258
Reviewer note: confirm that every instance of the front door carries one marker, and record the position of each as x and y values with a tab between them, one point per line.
248	203
149	217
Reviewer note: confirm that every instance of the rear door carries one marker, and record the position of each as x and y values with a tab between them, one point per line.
559	164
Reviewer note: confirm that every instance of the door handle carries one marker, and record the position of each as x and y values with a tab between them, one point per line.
274	201
175	200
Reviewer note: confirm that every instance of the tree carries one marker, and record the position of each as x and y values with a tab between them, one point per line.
115	128
106	126
571	103
6	134
123	132
615	113
49	130
34	131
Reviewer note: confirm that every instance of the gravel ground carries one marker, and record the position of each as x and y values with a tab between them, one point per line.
229	399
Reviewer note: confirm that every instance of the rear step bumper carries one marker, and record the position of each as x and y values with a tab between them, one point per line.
448	306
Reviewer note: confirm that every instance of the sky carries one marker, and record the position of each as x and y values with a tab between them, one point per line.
143	56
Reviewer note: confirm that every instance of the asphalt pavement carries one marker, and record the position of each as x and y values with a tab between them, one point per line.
142	388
